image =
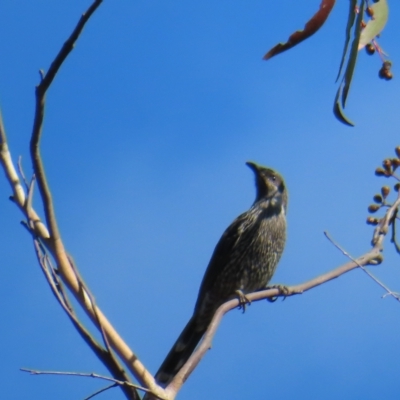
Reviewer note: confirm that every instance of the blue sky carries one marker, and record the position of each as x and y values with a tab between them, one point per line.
148	127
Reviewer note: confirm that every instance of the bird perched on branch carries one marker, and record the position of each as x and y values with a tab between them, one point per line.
243	261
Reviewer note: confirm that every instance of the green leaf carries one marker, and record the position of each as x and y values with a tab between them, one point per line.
376	24
350	22
338	110
312	26
343	91
348	75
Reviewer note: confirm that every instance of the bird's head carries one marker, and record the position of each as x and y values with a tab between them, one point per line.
270	186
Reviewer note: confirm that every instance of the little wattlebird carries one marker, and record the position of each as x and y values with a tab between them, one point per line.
243	261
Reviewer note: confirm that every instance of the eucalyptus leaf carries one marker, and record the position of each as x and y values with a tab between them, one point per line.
338	110
312	26
350	22
348	75
376	24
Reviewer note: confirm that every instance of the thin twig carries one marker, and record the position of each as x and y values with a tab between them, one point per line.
55	284
41	90
86	375
92	301
3	137
68	46
114	361
375	279
29	199
393	238
101	391
58	290
382	228
19	196
21	172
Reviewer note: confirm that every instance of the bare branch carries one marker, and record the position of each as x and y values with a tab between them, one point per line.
92	301
54	244
86	375
101	391
382	228
106	357
111	362
28	204
21	172
19	195
393	238
53	241
3	137
68	46
374	278
41	90
61	297
371	257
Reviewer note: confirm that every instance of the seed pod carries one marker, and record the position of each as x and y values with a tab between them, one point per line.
397	150
387	164
373	208
388	75
369	11
395	162
372	221
397	187
378	199
370	49
385	190
387	64
384	72
379	171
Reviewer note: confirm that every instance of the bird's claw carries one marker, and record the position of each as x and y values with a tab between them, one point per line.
243	300
283	290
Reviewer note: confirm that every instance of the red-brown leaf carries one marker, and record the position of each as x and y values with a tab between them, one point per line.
310	28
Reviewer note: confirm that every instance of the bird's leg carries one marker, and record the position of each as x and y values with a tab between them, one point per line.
243	300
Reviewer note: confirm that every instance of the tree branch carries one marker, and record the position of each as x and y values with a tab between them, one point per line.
373	256
113	385
18	196
87	375
41	89
104	355
52	241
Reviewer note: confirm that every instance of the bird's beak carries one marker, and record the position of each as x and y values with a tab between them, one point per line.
253	166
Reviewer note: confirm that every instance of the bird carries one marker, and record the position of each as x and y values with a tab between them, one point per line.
243	261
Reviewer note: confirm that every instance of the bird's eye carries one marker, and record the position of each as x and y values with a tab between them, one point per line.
273	177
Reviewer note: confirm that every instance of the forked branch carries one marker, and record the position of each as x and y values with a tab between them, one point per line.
49	235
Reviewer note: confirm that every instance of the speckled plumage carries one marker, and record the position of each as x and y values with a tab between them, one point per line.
244	259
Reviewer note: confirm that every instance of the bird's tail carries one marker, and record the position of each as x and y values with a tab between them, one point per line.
181	351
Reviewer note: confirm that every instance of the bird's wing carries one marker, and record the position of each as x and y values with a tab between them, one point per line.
225	249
